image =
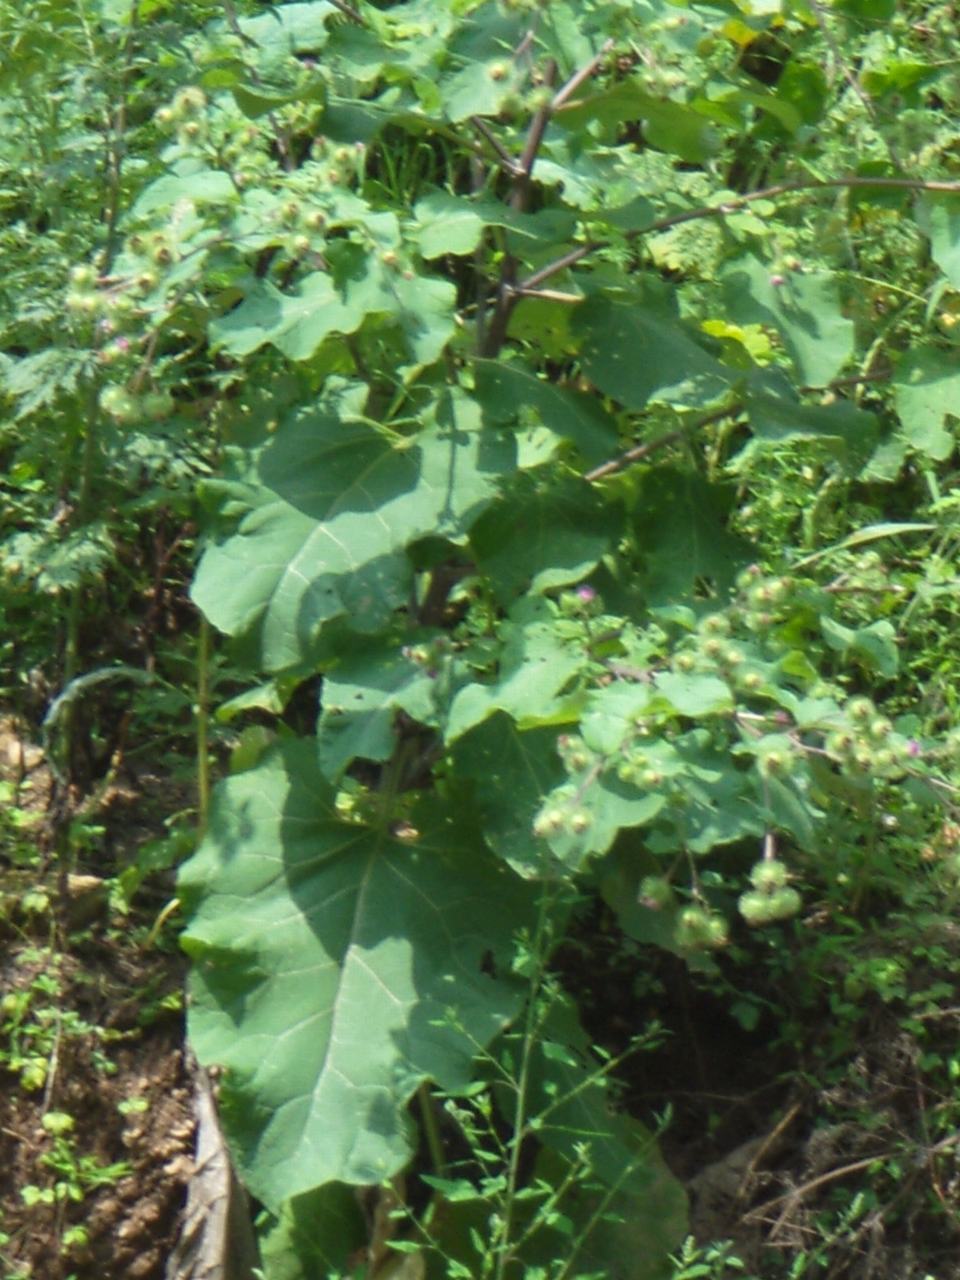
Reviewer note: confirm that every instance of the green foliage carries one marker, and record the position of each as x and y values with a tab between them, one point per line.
712	1262
532	371
376	939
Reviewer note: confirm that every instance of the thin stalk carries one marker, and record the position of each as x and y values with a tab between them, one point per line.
867	863
348	11
640	451
575	1170
115	126
812	513
504	158
113	137
202	712
504	1252
733	205
388	786
518	200
431	1131
71	646
595	1219
88	458
602	1072
580	77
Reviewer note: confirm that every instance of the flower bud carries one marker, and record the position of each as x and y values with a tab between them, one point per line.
769	875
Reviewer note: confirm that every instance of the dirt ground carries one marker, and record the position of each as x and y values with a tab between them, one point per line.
128	1094
96	1103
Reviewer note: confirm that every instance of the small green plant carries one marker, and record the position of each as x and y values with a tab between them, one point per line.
34	1018
843	1229
70	1177
75	1174
18	826
716	1261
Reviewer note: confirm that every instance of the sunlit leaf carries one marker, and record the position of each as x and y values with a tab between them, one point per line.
334	969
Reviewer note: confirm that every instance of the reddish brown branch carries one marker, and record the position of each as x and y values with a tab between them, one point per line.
733	205
518	200
579	77
504	158
641	451
348	11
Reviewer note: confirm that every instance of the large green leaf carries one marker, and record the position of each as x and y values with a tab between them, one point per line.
789	807
423	306
604	808
621	1217
481	89
338	504
511	772
876	11
636	354
695	694
803	306
282	33
939	216
712	816
401	51
776	414
487	76
775	105
511	392
927	390
610	715
189	181
334	970
372	681
637	1208
683	536
295	324
806	88
623	1213
584	815
671	126
621	877
254	102
298	323
543	534
536	663
871	533
313	1235
449	224
455	224
874	645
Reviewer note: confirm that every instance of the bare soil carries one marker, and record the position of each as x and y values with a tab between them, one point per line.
132	1221
91	1029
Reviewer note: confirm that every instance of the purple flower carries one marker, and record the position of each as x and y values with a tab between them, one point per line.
778	281
914	748
586	594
